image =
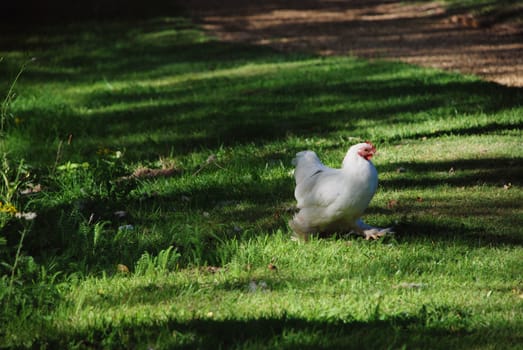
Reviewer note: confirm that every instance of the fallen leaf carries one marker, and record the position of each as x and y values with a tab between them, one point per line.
141	173
122	268
148	173
26	216
120	214
211	159
272	267
213	269
31	189
392	203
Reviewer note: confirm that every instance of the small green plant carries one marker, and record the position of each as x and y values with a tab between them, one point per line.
10	179
166	260
6	116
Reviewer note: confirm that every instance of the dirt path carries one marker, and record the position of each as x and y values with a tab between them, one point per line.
424	34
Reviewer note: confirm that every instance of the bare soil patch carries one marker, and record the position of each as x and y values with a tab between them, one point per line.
426	34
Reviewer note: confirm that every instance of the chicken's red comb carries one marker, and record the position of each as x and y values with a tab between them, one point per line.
370	143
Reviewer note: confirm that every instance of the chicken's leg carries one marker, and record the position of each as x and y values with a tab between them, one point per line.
370	232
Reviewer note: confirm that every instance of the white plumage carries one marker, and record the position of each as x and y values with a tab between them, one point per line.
333	200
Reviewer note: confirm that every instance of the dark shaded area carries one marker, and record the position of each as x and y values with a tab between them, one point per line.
467	172
34	12
291	333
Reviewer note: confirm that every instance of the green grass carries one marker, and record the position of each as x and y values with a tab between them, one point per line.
103	99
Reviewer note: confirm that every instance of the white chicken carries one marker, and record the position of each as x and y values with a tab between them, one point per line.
333	200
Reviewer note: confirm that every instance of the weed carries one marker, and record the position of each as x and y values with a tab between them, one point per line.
6	115
166	260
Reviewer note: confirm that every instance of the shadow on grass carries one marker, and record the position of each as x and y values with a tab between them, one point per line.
183	92
466	172
460	233
290	333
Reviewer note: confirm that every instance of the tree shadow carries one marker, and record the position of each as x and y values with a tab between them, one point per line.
287	332
186	93
152	121
466	172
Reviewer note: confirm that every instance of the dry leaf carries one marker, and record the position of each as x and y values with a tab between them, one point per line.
211	159
272	267
120	214
213	269
30	189
141	173
122	268
392	203
148	173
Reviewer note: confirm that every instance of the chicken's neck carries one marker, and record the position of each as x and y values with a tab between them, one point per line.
352	161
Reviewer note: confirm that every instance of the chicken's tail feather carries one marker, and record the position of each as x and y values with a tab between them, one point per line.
307	164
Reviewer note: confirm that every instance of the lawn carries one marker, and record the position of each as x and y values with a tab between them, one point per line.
158	163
